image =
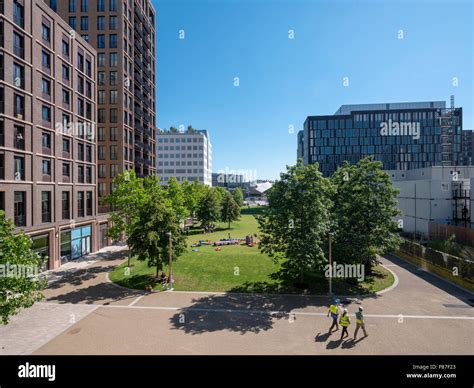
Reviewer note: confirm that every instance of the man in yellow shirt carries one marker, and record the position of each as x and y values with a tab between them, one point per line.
345	322
334	312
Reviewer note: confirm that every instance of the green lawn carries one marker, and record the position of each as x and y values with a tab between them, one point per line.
237	268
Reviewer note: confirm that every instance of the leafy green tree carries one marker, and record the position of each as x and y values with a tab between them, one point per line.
230	210
221	193
175	194
365	204
193	192
150	242
20	287
126	200
296	222
173	129
238	196
209	208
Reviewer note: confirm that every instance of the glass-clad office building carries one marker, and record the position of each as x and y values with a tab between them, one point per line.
403	136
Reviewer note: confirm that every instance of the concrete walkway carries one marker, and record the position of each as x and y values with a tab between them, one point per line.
421	315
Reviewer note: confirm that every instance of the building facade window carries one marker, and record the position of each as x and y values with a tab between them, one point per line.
19	137
89	203
80	204
66	170
45	33
18	76
46	113
72	5
18	14
46	87
101	41
18	45
46	167
65	204
19	168
19	106
72	22
2	166
46	141
45	206
19	208
84	23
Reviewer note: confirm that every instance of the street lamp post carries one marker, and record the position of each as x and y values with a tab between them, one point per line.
330	265
170	264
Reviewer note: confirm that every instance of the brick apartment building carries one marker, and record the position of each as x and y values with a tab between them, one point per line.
48	148
123	33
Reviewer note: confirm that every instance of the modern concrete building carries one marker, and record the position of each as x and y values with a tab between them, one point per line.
47	131
228	180
184	155
123	33
300	145
434	194
403	136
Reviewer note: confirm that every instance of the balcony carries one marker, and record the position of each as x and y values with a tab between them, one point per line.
139	144
138	111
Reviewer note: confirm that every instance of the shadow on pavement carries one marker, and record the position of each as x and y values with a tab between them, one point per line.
333	344
322	337
96	293
239	313
79	277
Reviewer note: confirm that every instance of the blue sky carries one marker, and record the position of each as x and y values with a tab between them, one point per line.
284	80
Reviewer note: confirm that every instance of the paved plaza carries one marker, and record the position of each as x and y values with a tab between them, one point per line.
83	313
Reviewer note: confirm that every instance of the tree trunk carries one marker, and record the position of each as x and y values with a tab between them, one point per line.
229	225
157	271
301	275
129	257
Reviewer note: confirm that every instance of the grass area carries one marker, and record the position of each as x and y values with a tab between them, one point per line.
237	268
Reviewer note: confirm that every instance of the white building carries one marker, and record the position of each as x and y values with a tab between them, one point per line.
434	194
184	155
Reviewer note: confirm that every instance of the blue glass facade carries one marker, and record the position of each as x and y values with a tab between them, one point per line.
435	138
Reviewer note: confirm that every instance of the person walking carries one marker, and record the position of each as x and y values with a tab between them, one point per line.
360	322
345	322
334	312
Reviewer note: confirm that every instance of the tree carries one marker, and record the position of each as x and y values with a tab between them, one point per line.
151	241
238	196
175	194
221	193
296	222
192	195
191	129
173	129
230	210
20	286
365	204
126	200
209	209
